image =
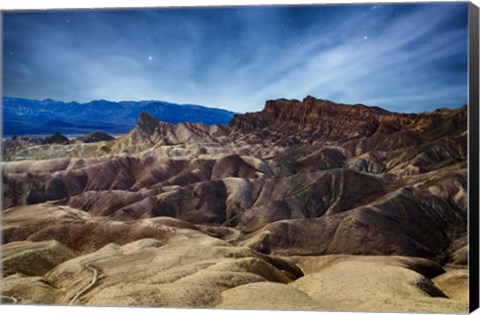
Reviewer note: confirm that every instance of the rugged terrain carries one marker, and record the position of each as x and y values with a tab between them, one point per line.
305	205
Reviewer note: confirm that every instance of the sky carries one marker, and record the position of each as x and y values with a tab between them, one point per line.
402	57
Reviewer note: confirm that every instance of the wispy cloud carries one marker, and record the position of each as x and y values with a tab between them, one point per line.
404	58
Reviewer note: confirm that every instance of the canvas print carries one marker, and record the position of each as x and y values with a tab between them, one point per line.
253	157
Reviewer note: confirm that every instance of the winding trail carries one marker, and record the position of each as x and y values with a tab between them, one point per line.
11	298
91	284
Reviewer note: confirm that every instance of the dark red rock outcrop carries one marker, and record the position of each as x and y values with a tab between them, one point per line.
340	121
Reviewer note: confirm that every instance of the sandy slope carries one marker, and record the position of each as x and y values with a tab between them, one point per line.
195	270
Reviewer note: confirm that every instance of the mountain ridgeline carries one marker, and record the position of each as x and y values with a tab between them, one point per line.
33	117
259	210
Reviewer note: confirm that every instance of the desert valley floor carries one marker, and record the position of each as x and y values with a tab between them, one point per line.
306	205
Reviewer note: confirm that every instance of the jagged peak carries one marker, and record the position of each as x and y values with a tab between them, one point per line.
310	98
147	123
144	116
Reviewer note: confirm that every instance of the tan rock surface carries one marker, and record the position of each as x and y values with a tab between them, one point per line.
185	271
269	296
454	283
200	271
375	287
33	258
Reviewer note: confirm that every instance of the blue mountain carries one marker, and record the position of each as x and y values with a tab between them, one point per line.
38	117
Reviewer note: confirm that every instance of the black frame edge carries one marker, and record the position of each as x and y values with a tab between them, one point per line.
473	165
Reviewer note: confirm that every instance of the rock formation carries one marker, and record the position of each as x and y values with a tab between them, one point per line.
95	136
295	203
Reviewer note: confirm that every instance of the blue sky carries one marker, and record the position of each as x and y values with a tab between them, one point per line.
403	57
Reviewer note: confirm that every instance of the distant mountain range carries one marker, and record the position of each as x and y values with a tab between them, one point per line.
40	117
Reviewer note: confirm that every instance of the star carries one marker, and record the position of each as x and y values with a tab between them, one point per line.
67	21
365	37
150	58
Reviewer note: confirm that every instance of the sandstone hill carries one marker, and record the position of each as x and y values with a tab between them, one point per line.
282	208
95	136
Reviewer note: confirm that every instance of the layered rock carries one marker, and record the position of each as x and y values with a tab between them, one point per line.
310	179
339	121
